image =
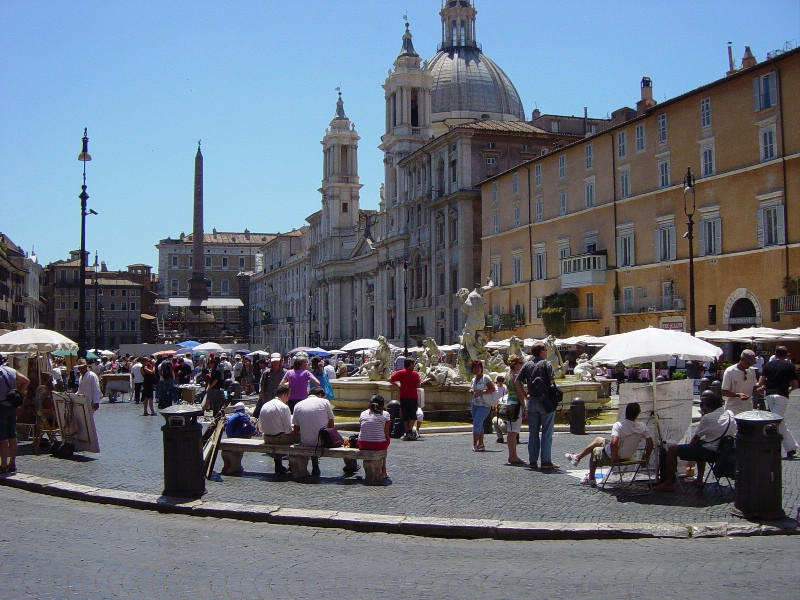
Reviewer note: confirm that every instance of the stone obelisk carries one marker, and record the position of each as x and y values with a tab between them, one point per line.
197	284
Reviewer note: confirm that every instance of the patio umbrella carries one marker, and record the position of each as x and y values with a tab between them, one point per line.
208	347
652	345
187	344
258	354
318	352
62	353
35	340
362	344
299	349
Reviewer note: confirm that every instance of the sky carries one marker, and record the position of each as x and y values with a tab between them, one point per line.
256	82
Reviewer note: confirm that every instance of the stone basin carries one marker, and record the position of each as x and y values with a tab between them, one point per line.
353	393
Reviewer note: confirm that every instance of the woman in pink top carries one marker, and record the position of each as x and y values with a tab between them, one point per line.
297	378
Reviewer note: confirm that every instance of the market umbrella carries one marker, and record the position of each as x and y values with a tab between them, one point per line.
652	345
187	344
208	347
318	352
35	340
299	349
361	344
62	353
258	354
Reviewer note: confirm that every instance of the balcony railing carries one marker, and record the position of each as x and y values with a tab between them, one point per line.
583	270
646	305
585	314
789	304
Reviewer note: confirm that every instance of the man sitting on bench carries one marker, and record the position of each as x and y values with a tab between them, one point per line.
625	438
275	424
715	424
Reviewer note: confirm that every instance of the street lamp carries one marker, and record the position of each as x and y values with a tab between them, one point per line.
689	208
405	308
84	157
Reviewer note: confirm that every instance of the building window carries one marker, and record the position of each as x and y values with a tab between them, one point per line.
705	112
516	268
588	154
494	271
453	224
707	160
538	210
516	215
491	161
439	228
767	137
495	223
562	203
454	171
494	192
562	166
515	183
536	305
241	262
224	287
664	243
640	137
174	260
769	225
540	264
627	299
345	207
224	261
765	91
537	174
662	128
173	284
710	235
625	183
208	261
112	306
589	193
133	305
75	306
563	252
625	248
663	172
622	150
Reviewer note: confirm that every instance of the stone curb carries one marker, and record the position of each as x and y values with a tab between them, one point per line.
394	524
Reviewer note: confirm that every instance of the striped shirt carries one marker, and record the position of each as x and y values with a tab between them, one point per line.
372	426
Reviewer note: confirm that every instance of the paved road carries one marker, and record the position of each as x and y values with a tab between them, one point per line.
437	477
57	548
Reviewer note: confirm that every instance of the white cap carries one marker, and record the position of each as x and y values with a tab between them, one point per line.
275	356
239	406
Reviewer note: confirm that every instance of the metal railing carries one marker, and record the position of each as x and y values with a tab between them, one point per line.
645	305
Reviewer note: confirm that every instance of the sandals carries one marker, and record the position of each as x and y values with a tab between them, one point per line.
590	481
515	463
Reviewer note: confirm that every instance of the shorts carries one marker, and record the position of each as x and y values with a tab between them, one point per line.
8	422
408	409
696	452
514	426
601	458
362	445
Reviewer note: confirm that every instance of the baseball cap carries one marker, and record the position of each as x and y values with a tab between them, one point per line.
275	356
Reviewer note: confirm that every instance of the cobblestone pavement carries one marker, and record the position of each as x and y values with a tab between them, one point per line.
58	548
436	477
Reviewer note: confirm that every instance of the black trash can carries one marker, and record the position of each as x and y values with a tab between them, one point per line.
759	472
184	475
397	430
577	417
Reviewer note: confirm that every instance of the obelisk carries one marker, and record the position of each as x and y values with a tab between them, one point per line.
197	284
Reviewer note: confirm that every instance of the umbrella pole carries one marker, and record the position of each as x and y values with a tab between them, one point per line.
661	441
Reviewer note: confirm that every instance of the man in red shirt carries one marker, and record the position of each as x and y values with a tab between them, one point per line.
407	381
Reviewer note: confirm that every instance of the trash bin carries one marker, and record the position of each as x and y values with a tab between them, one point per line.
184	475
577	417
393	408
759	471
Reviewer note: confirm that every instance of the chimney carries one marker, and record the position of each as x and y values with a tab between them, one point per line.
647	102
731	66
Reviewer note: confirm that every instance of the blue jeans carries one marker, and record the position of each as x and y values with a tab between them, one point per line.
479	414
539	420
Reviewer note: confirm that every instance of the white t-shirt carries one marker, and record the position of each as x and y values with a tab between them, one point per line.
739	382
136	371
311	415
715	425
330	372
274	418
630	433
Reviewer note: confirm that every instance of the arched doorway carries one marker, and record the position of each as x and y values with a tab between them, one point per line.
742	314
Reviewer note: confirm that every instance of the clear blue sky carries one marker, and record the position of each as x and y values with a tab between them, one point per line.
255	80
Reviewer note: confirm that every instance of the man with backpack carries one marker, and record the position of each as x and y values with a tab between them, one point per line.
538	375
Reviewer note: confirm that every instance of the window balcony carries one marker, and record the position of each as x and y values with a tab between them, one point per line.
649	305
583	270
789	304
585	314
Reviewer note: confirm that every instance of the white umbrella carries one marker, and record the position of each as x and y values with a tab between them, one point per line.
654	345
362	344
208	347
35	340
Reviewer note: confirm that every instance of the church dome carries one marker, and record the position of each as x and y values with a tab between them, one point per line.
466	82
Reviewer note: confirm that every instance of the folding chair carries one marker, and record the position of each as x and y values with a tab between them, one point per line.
46	424
625	466
724	467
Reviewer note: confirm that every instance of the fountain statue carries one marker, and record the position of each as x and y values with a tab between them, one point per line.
431	371
473	339
379	367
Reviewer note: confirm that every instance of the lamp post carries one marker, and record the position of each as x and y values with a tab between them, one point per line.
84	157
689	208
405	308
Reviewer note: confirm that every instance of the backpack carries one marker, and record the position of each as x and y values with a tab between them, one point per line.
539	380
12	396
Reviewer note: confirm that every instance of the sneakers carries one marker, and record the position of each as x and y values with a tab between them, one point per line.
572	458
407	437
590	481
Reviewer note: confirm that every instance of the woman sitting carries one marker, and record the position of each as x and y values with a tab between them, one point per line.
373	433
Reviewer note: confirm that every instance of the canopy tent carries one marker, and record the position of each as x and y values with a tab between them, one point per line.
35	340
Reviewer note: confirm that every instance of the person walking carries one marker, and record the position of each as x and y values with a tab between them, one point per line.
88	384
738	383
480	406
538	375
778	379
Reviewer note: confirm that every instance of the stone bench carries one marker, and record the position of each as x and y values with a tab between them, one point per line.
232	450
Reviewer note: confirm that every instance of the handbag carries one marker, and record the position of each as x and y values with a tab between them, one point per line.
553	398
329	437
13	399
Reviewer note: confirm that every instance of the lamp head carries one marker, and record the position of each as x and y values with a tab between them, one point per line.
84	156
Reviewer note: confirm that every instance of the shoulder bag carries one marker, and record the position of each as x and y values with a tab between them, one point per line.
329	437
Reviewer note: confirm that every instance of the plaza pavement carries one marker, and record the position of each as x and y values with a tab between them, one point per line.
439	488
